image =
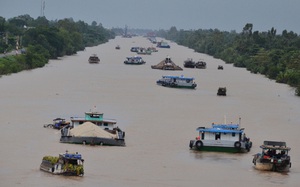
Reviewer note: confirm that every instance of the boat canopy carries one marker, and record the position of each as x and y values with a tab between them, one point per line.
275	145
226	126
72	156
178	77
219	130
134	57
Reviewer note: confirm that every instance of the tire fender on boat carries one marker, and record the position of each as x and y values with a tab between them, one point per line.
199	144
191	144
237	144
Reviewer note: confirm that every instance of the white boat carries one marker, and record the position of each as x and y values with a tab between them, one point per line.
221	138
177	82
274	157
135	60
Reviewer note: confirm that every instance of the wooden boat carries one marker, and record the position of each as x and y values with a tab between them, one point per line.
166	64
222	91
177	82
94	59
189	63
221	138
70	164
200	64
274	157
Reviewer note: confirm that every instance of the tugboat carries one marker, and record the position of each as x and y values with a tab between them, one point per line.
222	138
274	157
166	64
177	82
70	164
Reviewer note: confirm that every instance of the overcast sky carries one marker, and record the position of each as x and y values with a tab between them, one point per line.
225	15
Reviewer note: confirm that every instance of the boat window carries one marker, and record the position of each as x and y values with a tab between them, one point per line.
218	136
233	134
105	124
202	135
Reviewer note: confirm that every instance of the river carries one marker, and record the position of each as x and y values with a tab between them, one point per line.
159	122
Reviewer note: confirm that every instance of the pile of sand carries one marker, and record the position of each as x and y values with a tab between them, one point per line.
89	129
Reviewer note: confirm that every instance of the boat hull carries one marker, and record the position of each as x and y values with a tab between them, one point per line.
219	148
271	164
92	141
272	167
193	86
134	63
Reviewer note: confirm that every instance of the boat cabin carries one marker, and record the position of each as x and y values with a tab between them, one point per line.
96	118
221	132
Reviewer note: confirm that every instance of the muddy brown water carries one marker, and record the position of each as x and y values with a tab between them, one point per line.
159	121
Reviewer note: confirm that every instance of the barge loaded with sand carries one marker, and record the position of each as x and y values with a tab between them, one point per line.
166	64
93	129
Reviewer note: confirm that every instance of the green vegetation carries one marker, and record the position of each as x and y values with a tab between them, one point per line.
74	168
277	56
51	159
41	40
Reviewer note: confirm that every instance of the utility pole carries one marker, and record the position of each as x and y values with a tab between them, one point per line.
43	8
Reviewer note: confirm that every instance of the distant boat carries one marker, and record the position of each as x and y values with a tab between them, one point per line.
118	47
222	91
189	63
144	51
135	60
166	64
200	64
94	59
162	44
177	82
